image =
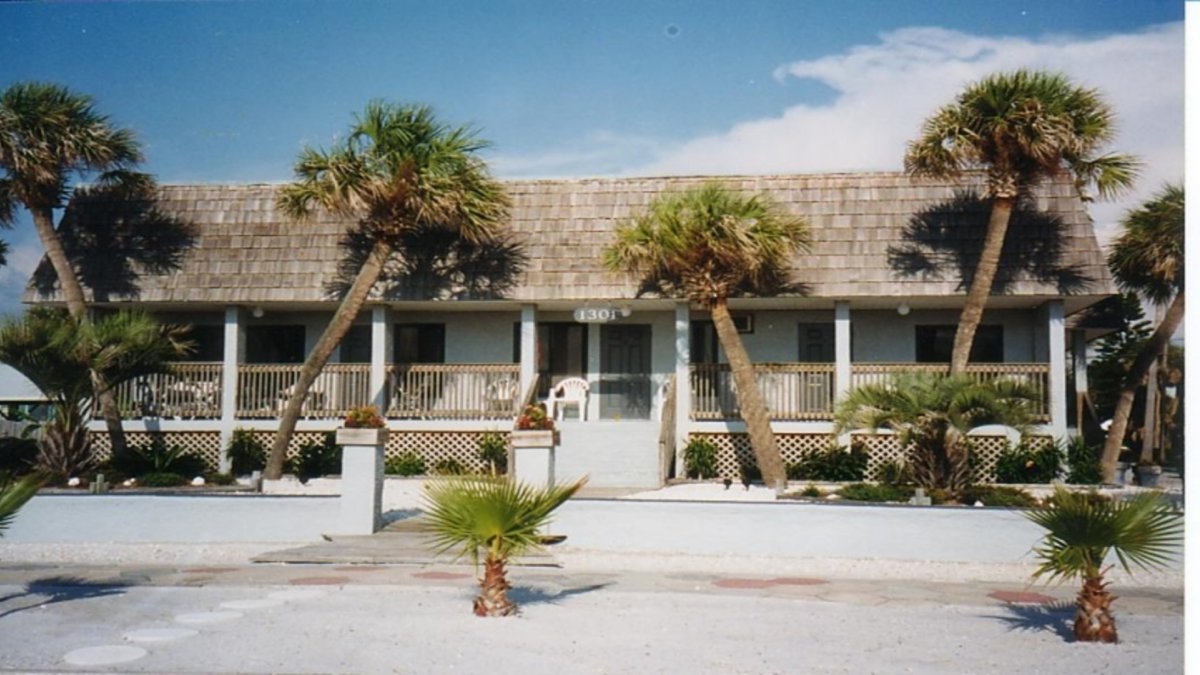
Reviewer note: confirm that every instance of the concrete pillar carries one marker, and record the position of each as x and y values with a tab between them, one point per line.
533	457
361	502
593	370
1056	342
683	380
841	351
528	347
234	353
381	356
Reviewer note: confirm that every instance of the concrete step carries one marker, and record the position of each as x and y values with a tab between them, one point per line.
613	453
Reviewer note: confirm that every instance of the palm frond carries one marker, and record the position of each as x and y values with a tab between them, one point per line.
1147	257
14	495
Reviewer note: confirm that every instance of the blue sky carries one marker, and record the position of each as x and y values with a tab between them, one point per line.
229	92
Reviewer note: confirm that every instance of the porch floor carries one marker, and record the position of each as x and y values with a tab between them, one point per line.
613	453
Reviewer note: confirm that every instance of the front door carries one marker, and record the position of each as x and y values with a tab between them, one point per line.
625	372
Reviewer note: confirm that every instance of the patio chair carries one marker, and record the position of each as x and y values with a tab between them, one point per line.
501	395
571	391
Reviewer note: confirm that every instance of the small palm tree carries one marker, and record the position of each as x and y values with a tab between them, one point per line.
400	170
1083	529
709	244
1147	259
499	517
1022	127
50	135
932	414
59	354
13	495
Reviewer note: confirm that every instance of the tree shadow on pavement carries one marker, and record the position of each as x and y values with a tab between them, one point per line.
529	595
53	590
1054	617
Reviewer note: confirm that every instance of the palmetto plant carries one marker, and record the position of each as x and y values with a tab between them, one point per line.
1082	530
50	135
709	244
400	170
931	414
14	494
493	518
1022	127
1147	259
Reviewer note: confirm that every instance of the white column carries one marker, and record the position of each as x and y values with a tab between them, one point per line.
683	380
528	346
841	352
1056	342
593	369
1079	369
381	355
234	353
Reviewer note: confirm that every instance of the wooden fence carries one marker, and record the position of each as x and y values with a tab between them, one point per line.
188	390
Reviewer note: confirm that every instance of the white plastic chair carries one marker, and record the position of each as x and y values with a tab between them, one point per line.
571	391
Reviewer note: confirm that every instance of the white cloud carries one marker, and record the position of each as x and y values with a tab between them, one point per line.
600	153
884	91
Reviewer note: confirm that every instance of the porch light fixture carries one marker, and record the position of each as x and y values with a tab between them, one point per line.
257	312
903	309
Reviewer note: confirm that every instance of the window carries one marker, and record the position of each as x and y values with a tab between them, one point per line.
275	344
356	345
419	343
936	343
208	343
704	347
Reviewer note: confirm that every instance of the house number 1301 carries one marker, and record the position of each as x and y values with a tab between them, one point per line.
598	314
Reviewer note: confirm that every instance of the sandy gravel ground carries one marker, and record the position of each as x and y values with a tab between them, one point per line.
582	628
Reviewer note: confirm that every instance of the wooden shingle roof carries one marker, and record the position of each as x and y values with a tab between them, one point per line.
874	235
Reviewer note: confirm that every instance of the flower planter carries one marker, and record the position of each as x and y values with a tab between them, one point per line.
1147	475
368	436
1121	475
534	438
533	456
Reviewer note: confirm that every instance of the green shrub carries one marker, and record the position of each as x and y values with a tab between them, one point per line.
894	472
869	492
318	459
700	458
246	453
405	464
449	467
812	491
833	464
1083	462
213	478
998	495
138	461
493	450
161	479
1025	464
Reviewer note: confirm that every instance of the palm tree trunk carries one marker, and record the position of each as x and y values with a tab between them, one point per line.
749	398
343	318
981	283
1133	380
493	590
72	290
1093	615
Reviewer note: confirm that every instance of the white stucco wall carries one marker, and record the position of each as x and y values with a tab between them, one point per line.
885	336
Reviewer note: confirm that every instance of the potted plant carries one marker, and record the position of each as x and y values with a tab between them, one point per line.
1121	476
1148	473
534	428
362	426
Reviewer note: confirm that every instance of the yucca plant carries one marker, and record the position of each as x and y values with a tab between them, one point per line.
495	518
14	494
1083	530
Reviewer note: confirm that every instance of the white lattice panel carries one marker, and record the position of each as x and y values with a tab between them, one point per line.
205	444
438	446
733	450
299	439
883	448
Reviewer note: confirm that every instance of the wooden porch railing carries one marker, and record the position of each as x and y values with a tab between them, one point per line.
188	390
1034	375
264	389
448	391
792	391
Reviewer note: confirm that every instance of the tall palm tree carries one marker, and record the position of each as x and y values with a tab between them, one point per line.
1147	259
501	517
1083	529
708	244
59	354
1022	127
400	169
931	414
50	135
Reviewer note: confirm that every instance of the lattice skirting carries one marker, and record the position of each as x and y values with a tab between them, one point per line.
206	444
441	446
733	451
